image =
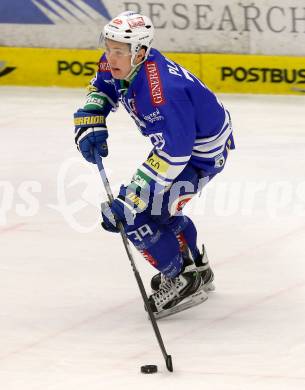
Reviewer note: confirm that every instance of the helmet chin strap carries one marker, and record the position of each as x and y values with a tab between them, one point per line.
134	67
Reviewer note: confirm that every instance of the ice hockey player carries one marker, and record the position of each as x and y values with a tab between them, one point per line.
191	135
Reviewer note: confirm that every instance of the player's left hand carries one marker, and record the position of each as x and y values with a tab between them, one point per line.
117	211
111	216
122	209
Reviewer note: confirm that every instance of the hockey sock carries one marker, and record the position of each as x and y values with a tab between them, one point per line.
159	246
186	233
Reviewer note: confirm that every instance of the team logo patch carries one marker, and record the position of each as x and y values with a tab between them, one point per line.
155	84
103	66
136	22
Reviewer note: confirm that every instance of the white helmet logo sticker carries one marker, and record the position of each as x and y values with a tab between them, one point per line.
137	22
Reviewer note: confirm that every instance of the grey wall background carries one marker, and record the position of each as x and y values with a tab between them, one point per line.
256	27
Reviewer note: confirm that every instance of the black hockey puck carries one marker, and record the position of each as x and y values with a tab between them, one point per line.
149	369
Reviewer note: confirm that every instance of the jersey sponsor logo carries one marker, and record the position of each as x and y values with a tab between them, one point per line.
103	66
157	164
140	179
136	22
155	84
154	116
89	120
95	100
4	70
135	199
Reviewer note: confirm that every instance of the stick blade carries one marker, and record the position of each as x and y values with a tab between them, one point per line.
169	363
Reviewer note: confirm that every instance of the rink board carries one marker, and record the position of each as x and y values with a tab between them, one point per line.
232	73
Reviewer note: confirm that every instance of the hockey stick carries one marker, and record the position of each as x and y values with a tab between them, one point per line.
167	358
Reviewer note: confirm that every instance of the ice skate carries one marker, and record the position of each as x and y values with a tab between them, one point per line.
203	267
178	294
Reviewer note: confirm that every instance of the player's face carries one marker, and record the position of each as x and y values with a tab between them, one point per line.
119	58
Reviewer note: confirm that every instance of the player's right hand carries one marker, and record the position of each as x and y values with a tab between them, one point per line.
90	132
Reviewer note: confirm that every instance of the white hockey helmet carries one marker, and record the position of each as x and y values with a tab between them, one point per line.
133	28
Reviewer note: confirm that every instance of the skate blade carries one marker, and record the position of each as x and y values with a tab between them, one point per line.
196	299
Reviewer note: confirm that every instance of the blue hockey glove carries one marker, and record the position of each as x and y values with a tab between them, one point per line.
124	209
90	132
118	211
110	217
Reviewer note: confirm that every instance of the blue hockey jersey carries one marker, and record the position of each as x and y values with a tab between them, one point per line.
184	120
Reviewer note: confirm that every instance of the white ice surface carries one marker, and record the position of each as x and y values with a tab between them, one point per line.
71	316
